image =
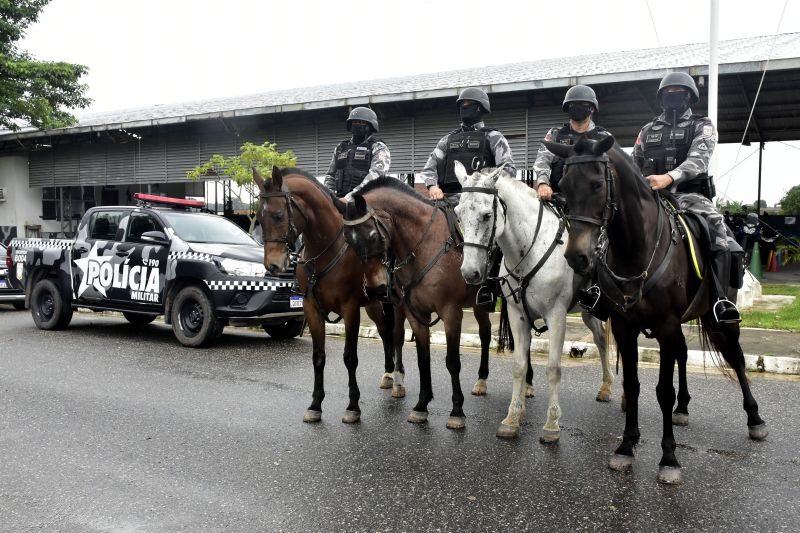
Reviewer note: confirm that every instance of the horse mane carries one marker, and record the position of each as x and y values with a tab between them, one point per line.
392	183
338	204
625	166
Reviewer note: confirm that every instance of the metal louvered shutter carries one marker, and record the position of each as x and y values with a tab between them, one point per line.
151	161
121	163
429	128
93	164
40	169
183	154
67	166
300	139
330	133
509	117
397	134
540	120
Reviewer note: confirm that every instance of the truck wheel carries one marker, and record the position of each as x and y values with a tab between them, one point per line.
48	307
194	319
139	320
19	306
289	330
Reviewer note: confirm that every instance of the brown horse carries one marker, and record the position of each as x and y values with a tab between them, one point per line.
389	225
330	276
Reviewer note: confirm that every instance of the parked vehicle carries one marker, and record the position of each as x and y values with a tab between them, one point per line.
8	293
163	257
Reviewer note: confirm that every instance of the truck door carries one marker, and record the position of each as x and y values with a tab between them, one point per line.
94	256
146	260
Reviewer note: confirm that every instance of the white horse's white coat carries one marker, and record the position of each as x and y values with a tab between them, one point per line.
549	294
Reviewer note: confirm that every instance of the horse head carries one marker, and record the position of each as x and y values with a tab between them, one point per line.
479	214
278	216
587	183
366	235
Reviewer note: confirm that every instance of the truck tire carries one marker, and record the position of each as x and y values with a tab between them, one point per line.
49	309
139	320
194	319
289	330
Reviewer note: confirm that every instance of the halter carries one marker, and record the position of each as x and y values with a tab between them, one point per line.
292	234
610	207
496	200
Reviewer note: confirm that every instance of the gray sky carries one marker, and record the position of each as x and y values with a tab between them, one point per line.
147	52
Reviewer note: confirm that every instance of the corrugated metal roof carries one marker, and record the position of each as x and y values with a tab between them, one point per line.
740	55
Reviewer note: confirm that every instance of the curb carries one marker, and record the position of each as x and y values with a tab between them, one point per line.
698	358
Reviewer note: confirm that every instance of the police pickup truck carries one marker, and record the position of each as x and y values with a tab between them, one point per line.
163	257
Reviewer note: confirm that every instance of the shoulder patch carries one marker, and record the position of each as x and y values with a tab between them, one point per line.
708	130
702	146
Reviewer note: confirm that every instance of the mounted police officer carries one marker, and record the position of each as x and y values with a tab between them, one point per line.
580	104
360	159
475	145
673	151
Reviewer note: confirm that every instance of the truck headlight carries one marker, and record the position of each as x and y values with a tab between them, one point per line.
235	267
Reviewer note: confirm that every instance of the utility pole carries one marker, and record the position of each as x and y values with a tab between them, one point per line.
713	76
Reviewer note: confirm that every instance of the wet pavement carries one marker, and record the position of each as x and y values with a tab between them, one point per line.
106	428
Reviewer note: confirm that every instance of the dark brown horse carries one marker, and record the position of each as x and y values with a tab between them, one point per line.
623	231
330	275
388	224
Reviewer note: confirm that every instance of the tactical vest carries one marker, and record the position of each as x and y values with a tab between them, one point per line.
665	147
566	135
352	164
472	149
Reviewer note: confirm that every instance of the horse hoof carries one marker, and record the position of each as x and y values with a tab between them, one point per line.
680	419
311	416
480	388
621	463
529	391
507	432
456	422
758	432
550	437
351	417
670	475
398	391
604	396
418	417
386	381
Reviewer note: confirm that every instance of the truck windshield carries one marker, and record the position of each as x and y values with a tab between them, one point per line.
194	227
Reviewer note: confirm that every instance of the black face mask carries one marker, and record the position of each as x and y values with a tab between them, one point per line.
470	114
678	101
579	113
360	132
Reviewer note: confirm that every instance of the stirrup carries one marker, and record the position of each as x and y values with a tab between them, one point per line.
588	298
486	299
727	307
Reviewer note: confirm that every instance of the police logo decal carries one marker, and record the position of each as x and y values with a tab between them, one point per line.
102	273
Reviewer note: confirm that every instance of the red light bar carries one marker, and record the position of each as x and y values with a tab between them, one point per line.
166	200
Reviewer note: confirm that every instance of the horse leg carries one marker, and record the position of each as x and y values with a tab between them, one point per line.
626	335
669	471
521	329
529	371
599	335
352	321
419	414
316	326
726	341
399	332
383	319
452	332
485	334
680	416
557	326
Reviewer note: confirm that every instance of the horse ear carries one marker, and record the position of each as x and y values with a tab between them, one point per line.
277	177
258	178
604	145
561	150
461	173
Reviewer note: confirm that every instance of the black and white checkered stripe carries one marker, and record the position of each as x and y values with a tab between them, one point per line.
196	256
242	285
41	243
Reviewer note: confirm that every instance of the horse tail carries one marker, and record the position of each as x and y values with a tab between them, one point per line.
712	342
505	338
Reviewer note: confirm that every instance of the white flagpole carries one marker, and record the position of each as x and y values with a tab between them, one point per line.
713	75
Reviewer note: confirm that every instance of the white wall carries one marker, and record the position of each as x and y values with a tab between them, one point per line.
23	204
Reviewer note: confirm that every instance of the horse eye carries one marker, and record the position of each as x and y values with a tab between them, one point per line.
486	217
596	186
277	216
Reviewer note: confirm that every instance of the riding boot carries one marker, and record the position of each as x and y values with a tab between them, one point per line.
724	310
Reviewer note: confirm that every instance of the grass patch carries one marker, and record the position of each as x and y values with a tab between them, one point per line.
787	318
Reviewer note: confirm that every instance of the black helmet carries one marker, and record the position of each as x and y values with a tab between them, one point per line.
580	93
363	113
681	79
477	95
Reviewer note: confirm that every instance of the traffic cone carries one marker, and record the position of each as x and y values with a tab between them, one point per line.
755	262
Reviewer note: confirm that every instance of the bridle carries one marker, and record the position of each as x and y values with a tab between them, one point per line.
292	234
496	201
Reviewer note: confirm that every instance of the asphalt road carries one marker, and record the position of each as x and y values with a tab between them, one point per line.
106	428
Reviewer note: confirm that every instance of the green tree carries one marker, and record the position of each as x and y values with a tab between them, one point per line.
732	207
239	168
790	203
34	93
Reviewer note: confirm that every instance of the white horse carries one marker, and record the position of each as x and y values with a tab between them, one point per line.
495	208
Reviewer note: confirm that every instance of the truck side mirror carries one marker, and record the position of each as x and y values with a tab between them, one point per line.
154	237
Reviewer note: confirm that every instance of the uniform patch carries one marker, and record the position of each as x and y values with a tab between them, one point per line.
548	137
473	145
342	155
708	130
702	146
454	145
653	138
359	156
